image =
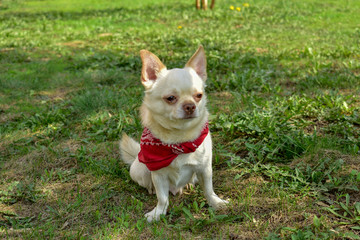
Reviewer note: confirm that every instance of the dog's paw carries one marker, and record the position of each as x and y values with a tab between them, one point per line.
154	215
151	190
219	203
174	190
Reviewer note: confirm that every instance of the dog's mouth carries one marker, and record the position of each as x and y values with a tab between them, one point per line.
189	117
193	115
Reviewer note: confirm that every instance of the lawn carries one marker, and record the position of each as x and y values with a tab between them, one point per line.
284	99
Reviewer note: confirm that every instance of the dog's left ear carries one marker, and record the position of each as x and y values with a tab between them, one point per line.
198	63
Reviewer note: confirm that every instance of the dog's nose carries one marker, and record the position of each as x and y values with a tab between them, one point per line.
189	108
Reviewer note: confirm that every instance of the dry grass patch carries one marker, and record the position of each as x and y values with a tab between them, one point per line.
53	95
8	117
222	102
351	161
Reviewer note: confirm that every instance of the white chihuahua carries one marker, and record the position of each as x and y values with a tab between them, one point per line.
175	148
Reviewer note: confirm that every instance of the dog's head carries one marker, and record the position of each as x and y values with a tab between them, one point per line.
176	94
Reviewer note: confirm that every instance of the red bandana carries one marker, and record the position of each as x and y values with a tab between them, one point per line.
155	154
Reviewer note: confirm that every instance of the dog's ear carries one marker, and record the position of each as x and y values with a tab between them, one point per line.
198	63
151	67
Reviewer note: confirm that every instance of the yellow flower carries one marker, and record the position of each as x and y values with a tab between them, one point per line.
179	27
238	9
232	7
246	5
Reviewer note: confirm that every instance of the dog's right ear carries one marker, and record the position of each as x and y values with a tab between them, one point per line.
151	68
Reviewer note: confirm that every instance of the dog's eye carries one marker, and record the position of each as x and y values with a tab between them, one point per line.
198	97
170	99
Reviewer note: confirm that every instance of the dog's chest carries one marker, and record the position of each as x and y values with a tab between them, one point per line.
181	170
195	159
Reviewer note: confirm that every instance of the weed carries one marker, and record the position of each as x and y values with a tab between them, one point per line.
348	213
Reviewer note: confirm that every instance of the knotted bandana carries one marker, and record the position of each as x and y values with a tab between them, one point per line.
155	154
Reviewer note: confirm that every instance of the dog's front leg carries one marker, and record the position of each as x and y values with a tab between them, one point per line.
205	179
161	183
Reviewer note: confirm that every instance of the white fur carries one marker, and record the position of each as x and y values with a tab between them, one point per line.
129	150
169	123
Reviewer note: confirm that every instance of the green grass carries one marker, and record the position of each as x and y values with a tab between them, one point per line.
284	87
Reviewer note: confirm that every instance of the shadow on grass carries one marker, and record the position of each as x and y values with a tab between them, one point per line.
69	92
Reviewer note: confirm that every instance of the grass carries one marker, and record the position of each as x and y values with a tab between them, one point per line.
283	96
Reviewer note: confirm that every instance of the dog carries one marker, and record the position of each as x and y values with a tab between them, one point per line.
176	147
